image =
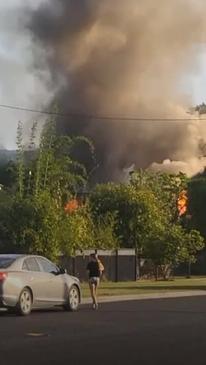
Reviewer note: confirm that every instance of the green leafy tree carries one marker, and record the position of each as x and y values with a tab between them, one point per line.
171	246
55	169
8	176
45	155
35	221
104	232
166	187
79	232
141	222
197	205
33	226
20	160
193	242
136	212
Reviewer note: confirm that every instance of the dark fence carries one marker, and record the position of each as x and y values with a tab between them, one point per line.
124	265
120	265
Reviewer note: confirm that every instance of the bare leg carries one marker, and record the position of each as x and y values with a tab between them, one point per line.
93	293
96	289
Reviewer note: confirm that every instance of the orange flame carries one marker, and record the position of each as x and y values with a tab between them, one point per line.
182	203
71	206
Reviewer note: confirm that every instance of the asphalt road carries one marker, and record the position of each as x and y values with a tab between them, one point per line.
168	331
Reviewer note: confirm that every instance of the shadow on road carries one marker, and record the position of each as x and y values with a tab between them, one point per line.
7	313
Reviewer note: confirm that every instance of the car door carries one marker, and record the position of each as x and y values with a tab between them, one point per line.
54	281
34	278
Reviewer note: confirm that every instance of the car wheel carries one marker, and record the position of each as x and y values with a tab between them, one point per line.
73	299
24	305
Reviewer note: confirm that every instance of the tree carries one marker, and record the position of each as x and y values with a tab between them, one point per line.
166	188
193	242
197	204
35	220
20	159
104	232
137	212
170	246
77	232
55	169
81	232
143	222
8	175
31	226
45	154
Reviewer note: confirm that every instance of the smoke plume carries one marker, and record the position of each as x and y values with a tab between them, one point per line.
124	58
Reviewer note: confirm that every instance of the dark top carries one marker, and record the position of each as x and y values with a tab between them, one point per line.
93	268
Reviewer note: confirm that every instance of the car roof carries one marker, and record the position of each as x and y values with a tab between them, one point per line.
11	256
17	257
20	256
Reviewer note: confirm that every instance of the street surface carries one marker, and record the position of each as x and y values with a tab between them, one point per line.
160	331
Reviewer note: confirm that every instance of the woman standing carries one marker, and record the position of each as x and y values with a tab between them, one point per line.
94	271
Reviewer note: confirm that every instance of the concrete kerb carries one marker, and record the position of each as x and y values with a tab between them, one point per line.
126	298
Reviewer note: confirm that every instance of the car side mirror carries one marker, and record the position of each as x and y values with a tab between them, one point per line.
62	271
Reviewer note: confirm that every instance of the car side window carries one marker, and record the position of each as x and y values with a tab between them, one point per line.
47	266
30	264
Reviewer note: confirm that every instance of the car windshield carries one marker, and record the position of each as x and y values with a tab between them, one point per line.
5	262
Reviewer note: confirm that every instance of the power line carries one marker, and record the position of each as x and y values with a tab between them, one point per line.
100	117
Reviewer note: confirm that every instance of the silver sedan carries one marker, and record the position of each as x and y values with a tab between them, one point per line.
30	282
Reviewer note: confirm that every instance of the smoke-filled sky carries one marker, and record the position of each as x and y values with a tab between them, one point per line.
19	84
140	58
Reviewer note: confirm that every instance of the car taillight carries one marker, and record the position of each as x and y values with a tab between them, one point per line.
3	276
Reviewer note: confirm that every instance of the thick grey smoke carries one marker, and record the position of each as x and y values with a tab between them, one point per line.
18	82
120	58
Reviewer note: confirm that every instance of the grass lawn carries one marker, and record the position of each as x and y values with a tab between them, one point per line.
147	286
